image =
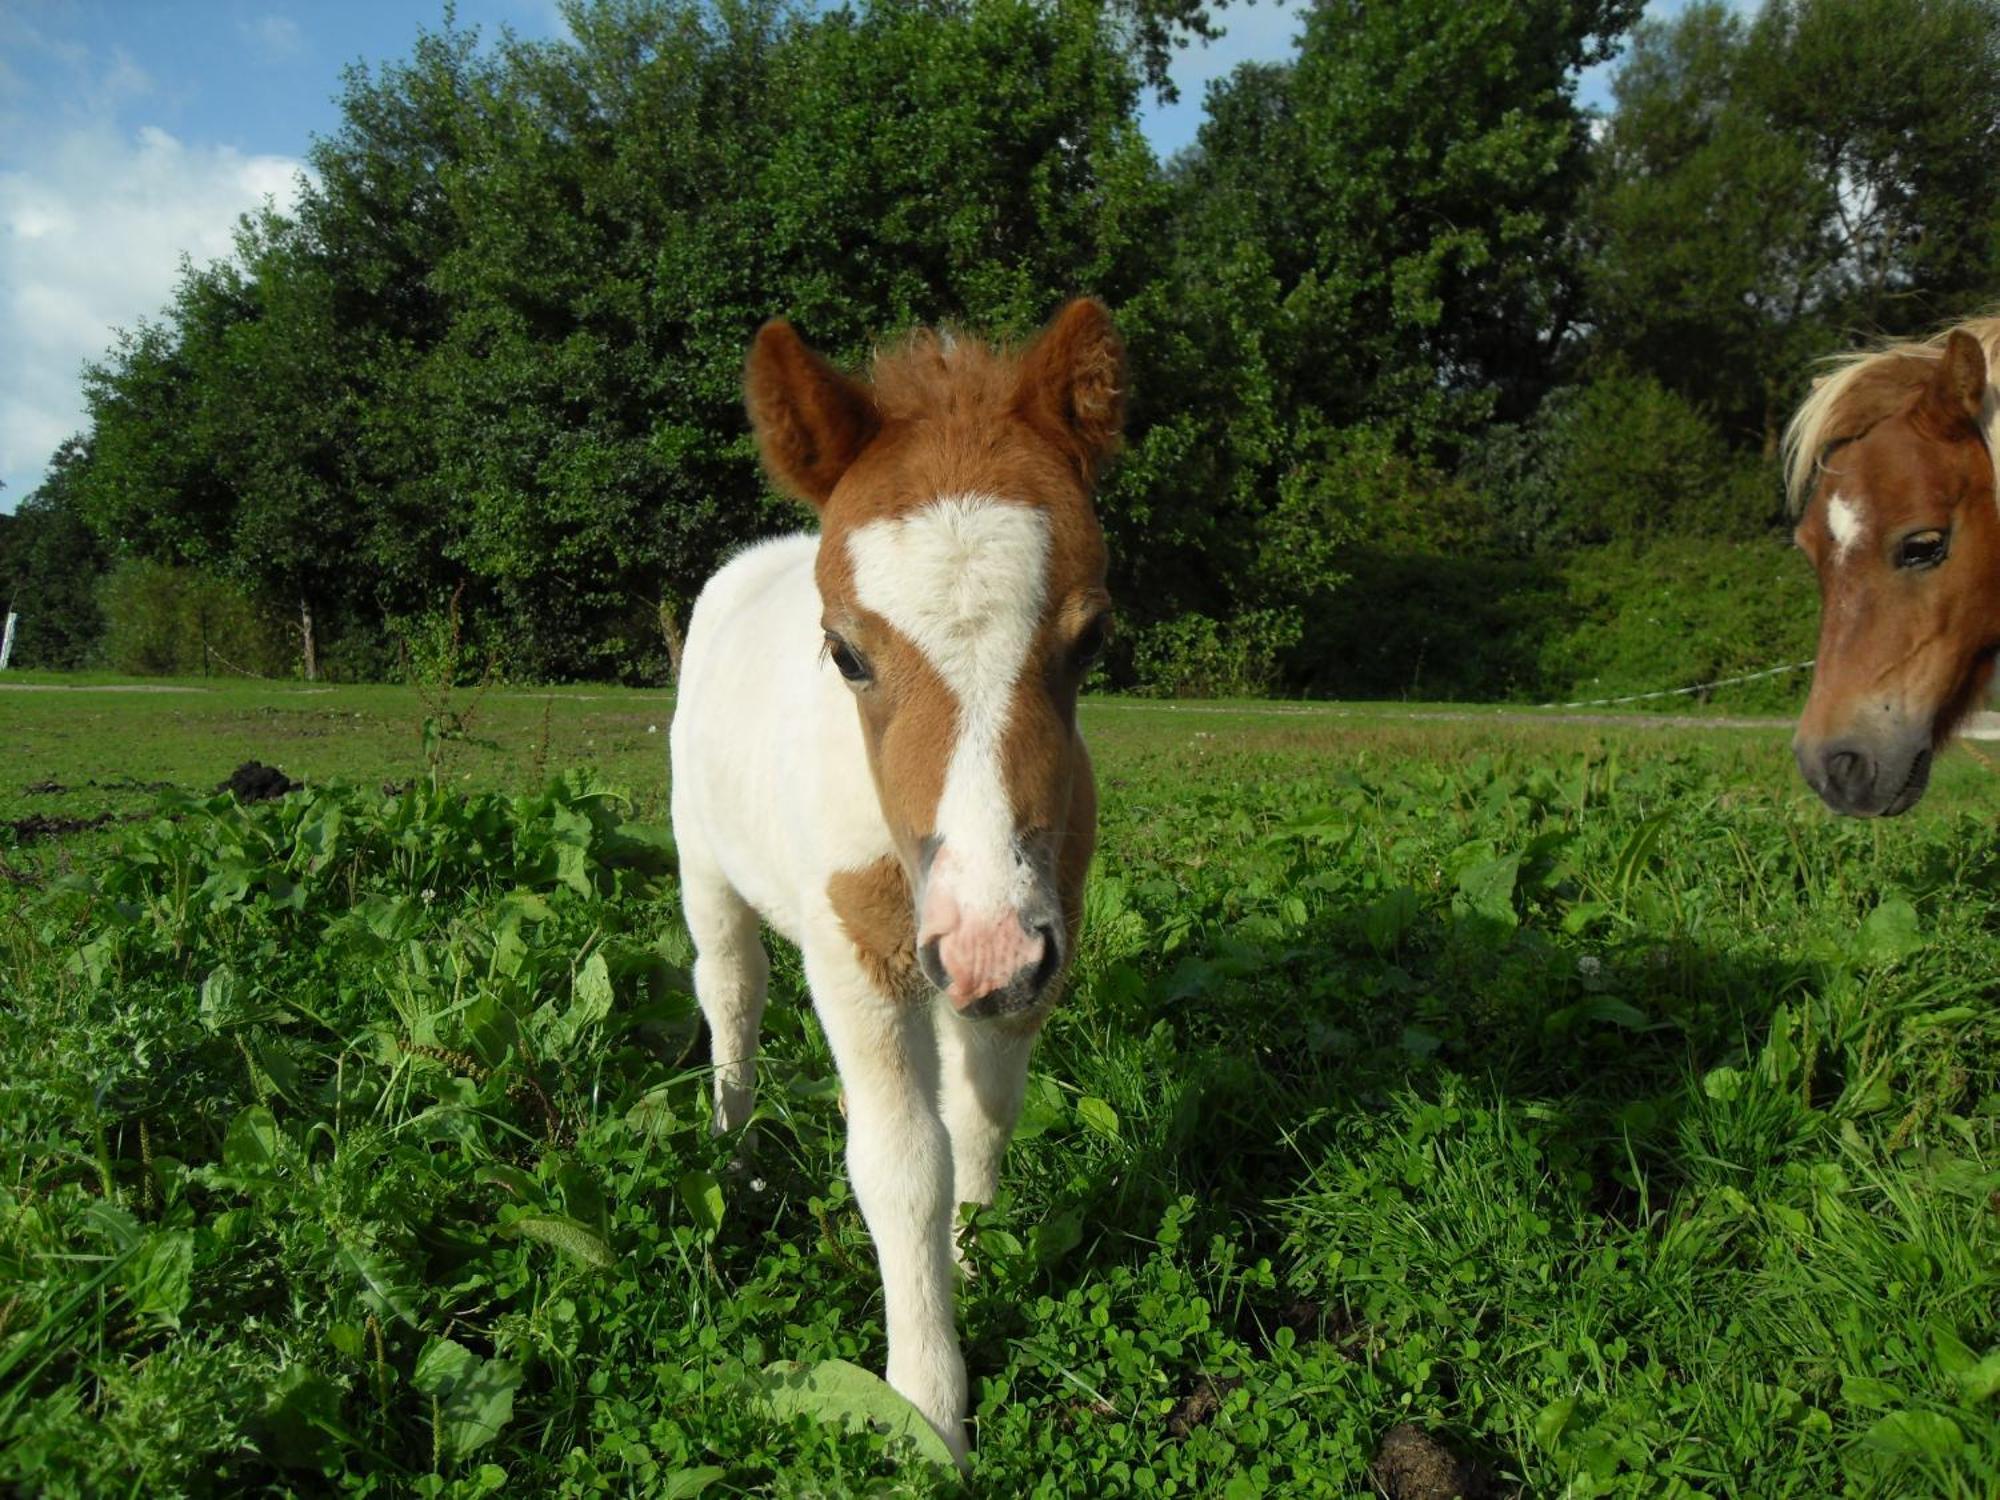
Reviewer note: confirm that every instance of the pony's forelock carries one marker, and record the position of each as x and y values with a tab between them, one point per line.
1862	386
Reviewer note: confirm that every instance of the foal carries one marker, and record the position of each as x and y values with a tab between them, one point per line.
875	749
1891	463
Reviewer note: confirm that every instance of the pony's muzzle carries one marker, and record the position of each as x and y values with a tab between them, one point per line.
992	944
1865	780
993	967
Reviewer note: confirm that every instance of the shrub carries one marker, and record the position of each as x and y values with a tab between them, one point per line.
161	621
1196	656
1619	459
1684	611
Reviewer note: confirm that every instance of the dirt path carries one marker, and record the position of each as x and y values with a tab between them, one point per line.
97	687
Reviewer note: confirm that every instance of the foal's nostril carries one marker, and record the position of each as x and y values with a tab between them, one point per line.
932	963
1051	960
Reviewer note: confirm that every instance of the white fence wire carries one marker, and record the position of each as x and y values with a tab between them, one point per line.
1681	692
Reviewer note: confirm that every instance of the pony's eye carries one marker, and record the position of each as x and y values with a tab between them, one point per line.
845	662
1922	549
1090	645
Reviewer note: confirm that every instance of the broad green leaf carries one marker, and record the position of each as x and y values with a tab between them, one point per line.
225	1000
703	1196
1387	921
1638	850
253	1147
685	1484
1915	1434
573	868
159	1277
1098	1115
1977	1378
300	1418
1866	1390
1487	889
1552	1419
475	1396
1057	1235
1042	1107
569	1236
847	1396
1889	935
1723	1084
388	1285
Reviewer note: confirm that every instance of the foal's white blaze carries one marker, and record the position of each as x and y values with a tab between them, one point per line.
965	579
1844	519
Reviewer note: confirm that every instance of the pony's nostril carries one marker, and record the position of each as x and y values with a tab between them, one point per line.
1850	773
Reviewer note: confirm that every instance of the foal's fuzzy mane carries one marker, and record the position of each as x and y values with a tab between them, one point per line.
933	373
1865	385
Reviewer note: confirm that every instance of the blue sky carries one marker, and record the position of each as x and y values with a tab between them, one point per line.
133	132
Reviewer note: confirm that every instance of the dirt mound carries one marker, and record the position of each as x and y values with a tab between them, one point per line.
1413	1465
253	781
1199	1405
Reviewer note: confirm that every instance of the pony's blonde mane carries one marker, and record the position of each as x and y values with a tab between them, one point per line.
1865	385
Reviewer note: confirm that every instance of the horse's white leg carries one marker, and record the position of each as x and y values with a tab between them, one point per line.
731	972
899	1161
983	1068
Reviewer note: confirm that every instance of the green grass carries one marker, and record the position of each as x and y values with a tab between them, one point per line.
1583	1094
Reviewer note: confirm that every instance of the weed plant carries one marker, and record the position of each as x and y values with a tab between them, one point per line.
1628	1127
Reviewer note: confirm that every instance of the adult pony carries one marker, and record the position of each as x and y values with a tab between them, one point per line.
1890	463
875	749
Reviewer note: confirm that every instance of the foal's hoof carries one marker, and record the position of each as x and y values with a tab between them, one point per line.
744	1157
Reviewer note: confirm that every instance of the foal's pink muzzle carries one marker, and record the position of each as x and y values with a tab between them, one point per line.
989	962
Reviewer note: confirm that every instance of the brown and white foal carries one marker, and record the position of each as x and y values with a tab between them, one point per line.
875	750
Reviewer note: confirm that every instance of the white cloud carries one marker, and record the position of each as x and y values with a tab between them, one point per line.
92	231
278	37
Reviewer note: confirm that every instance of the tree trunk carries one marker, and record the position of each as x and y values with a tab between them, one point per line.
670	628
308	649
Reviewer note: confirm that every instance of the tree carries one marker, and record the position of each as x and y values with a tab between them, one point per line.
50	563
1770	189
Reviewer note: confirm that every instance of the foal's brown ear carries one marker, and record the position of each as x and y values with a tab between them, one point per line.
1958	386
811	421
1073	383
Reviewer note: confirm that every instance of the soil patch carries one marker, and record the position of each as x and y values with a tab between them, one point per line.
42	826
1199	1406
253	781
1413	1465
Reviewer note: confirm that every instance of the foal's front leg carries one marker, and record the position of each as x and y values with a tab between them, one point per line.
983	1074
899	1161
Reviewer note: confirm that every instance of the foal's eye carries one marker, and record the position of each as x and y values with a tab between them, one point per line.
845	661
1090	645
1922	549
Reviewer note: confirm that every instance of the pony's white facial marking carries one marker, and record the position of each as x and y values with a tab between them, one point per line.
1845	519
964	579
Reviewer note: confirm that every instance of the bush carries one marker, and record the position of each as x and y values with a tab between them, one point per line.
1680	612
1620	459
166	621
1434	625
1196	656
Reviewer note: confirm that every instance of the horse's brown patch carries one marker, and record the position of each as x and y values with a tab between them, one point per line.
873	904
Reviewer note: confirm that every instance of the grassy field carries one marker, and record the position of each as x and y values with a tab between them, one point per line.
1444	1102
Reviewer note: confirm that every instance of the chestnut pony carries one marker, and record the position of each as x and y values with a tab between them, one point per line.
1890	463
875	750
